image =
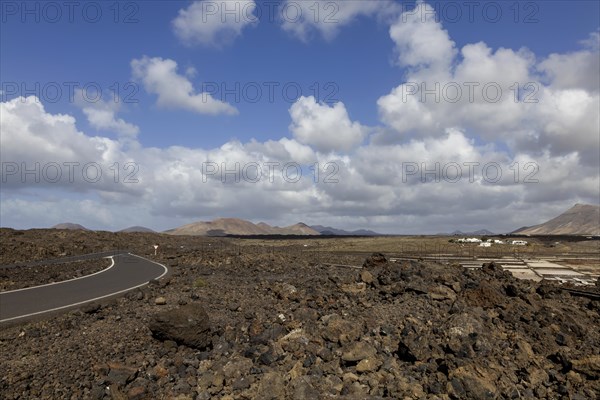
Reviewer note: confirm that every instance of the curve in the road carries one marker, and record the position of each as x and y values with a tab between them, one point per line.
78	257
112	264
127	272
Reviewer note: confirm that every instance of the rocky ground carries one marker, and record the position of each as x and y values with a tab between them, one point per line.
43	244
277	325
17	278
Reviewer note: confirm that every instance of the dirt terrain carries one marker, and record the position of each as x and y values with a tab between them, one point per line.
276	320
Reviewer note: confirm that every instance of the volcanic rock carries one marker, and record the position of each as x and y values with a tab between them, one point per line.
188	325
375	260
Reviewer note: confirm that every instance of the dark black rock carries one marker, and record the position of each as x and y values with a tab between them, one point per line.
188	325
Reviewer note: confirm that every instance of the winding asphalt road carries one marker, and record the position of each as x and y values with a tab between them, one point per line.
126	272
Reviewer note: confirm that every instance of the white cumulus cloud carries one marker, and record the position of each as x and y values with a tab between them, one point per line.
214	23
305	19
325	128
494	95
386	187
101	115
159	76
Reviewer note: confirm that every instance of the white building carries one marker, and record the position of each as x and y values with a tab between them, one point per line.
468	240
519	243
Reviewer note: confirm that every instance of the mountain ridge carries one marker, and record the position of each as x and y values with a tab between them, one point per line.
328	230
479	232
236	226
137	228
581	219
70	226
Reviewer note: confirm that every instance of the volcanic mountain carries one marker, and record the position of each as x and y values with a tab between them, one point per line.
328	230
70	226
235	226
581	219
480	232
137	229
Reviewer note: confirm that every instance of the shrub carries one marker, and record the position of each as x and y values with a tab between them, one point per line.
199	283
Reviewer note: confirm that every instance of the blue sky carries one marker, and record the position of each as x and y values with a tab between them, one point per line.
352	61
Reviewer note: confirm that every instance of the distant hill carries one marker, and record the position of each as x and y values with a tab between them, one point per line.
300	229
137	229
328	230
581	219
70	226
481	232
235	226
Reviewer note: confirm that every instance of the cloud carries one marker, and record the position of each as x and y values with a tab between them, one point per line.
58	154
323	127
493	95
159	76
420	40
576	70
422	185
102	116
305	19
214	23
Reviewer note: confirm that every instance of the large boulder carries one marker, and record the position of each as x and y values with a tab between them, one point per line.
188	325
375	260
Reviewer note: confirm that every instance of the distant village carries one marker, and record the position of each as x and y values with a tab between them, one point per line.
489	242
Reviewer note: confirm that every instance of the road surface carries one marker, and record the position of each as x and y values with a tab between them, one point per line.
127	271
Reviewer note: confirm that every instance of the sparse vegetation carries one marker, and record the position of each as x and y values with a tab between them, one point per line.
199	282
